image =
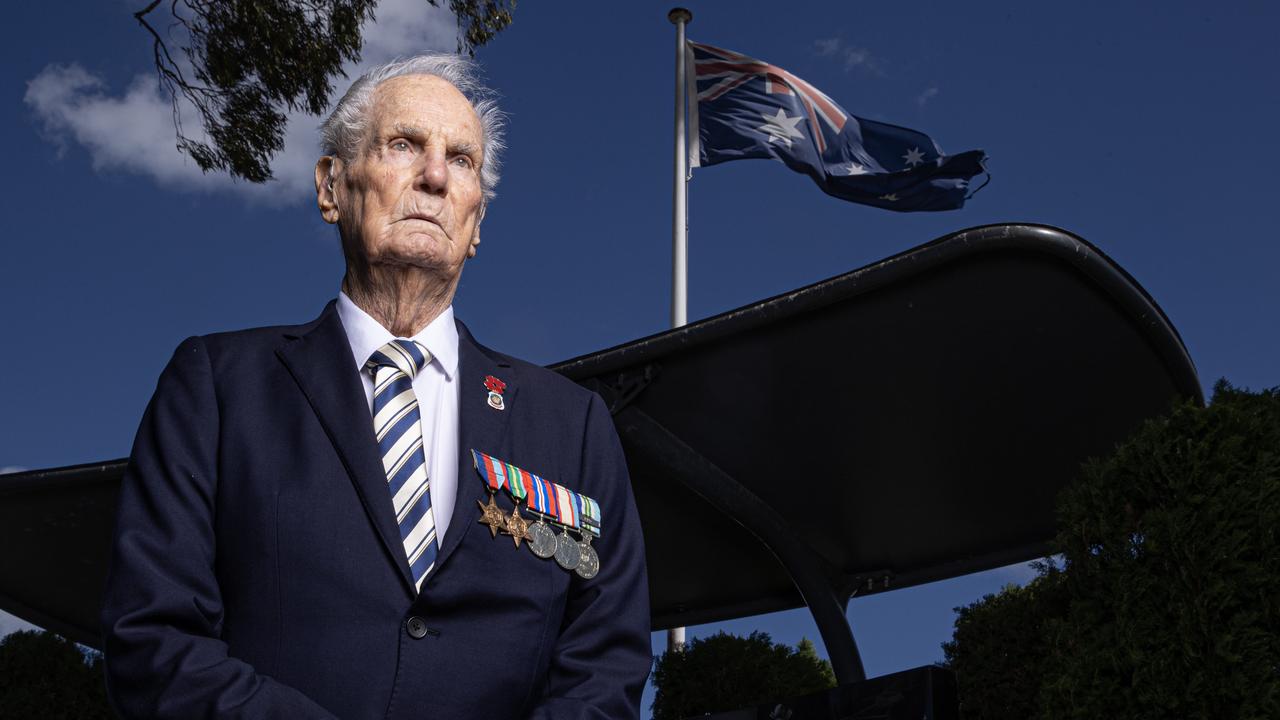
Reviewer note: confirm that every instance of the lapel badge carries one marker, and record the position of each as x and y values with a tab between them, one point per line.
495	388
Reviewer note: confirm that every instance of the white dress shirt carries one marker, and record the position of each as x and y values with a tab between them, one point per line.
436	387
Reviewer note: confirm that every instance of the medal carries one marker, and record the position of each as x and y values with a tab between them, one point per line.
494	478
590	564
517	527
493	516
542	539
552	505
589	511
568	555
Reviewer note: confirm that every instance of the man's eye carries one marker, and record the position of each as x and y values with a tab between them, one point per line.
462	161
400	145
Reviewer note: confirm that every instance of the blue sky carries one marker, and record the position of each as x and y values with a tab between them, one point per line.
1147	128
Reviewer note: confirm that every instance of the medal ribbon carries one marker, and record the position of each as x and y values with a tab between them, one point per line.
516	479
564	504
491	470
540	500
590	515
566	507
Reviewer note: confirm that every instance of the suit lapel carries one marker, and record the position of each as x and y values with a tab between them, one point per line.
320	362
481	427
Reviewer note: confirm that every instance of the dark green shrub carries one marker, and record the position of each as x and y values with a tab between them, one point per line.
725	672
1168	601
45	676
1172	566
999	648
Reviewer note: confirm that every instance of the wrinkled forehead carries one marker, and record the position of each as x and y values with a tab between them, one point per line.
427	103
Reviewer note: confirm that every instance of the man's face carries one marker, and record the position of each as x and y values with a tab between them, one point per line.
412	194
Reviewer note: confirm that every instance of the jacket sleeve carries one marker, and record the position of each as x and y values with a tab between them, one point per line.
162	614
601	658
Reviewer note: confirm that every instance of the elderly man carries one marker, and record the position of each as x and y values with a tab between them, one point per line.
371	515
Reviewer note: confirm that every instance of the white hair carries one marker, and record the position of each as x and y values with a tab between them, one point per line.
345	129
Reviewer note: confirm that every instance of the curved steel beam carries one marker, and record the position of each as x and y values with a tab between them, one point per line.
818	583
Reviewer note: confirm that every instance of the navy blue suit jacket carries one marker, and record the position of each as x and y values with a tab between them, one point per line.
257	570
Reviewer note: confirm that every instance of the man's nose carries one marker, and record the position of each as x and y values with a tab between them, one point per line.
434	176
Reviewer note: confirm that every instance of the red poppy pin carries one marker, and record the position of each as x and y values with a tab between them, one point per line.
495	388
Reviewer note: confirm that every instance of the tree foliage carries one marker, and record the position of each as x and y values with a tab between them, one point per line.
1000	645
242	64
1168	602
724	672
45	676
1172	549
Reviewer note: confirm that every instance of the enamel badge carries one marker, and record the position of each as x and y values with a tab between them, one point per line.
495	388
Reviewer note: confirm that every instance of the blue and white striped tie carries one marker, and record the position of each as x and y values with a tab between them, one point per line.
398	427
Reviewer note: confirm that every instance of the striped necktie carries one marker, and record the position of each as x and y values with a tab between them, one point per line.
398	428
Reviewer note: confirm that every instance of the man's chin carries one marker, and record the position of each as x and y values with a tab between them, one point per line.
417	249
432	262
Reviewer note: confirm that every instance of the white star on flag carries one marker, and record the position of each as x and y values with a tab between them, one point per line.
853	168
781	128
891	197
913	157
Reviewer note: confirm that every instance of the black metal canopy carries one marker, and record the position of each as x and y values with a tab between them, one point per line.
909	421
55	534
906	422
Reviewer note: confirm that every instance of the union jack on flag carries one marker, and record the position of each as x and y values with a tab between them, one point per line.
742	108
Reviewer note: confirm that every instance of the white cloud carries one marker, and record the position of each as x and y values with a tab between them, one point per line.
928	94
132	132
827	47
406	27
11	469
851	55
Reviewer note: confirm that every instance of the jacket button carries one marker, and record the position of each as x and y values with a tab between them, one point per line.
416	627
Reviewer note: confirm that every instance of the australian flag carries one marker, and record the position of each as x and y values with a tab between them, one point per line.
746	108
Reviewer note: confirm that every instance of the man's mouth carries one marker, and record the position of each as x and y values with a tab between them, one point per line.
424	218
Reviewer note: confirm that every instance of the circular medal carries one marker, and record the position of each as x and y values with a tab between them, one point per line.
568	555
590	564
542	539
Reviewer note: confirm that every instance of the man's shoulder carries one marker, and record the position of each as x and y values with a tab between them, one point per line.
247	343
534	378
545	380
266	335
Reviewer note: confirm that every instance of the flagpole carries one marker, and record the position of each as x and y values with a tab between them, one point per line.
679	222
680	217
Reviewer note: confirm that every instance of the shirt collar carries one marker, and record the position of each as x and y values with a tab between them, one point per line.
367	335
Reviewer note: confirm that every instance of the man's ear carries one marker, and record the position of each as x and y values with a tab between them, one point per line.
475	236
327	168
